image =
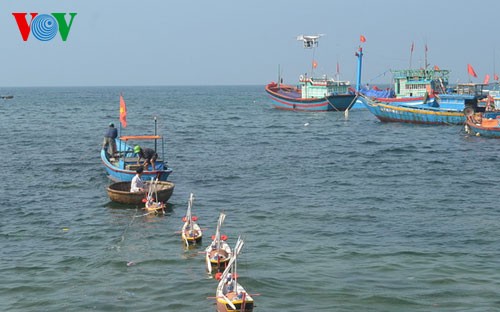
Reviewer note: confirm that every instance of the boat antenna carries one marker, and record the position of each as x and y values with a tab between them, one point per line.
411	51
156	130
426	64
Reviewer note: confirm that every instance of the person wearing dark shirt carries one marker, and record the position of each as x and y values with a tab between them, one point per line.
109	139
149	155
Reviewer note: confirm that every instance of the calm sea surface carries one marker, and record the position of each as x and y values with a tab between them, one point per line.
337	215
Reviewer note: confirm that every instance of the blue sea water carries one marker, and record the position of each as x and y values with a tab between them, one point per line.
337	214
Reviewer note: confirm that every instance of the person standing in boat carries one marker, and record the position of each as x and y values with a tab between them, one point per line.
137	185
109	139
148	154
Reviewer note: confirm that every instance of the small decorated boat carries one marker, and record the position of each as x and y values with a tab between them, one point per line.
120	192
191	232
484	124
218	253
152	205
230	295
314	94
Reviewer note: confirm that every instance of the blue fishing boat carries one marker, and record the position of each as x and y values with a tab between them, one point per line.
486	124
443	109
123	166
313	94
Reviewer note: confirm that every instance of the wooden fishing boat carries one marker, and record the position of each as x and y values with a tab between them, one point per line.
230	295
484	124
314	94
218	253
123	165
191	232
444	109
120	192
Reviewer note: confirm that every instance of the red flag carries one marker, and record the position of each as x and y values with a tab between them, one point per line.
471	71
436	67
362	38
123	112
315	64
486	79
495	77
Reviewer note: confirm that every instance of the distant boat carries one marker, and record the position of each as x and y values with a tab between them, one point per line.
486	124
6	97
218	253
313	94
230	295
191	232
444	109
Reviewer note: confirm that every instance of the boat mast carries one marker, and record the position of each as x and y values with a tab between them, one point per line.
359	54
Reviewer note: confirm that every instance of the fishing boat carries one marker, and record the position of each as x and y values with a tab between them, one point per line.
120	192
230	295
444	109
191	232
6	97
123	166
218	253
485	124
314	94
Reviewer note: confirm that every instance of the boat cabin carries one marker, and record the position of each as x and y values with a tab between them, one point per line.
322	87
419	82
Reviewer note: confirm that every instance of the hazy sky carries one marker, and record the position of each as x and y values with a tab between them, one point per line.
200	42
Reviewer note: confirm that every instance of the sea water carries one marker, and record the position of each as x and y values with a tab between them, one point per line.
337	214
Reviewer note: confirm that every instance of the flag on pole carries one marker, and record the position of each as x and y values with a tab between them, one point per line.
436	67
495	77
412	47
362	38
471	71
338	68
315	64
486	79
123	112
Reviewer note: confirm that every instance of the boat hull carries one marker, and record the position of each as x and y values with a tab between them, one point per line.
486	128
288	98
387	112
118	172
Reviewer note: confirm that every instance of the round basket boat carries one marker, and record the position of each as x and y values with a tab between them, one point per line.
120	192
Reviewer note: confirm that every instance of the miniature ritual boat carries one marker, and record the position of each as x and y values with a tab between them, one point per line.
191	232
218	253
